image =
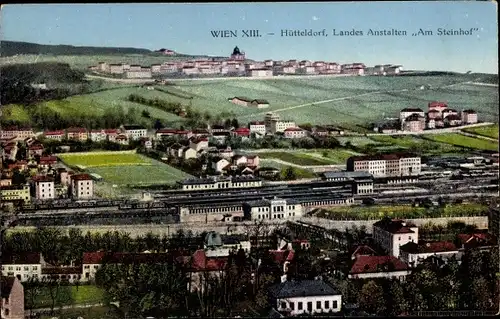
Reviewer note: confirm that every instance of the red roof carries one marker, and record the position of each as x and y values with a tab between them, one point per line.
76	130
364	250
111	131
50	159
51	133
182	132
293	129
198	140
373	264
281	256
200	262
166	131
81	177
257	123
42	178
476	240
438	104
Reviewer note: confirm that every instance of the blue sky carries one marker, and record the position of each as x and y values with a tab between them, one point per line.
186	28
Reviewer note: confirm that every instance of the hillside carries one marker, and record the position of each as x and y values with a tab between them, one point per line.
11	48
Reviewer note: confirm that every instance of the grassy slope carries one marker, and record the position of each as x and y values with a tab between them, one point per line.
488	131
68	295
465	141
415	143
93	160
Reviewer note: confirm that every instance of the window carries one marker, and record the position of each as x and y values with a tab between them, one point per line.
95	267
300	305
318	304
310	306
283	305
35	267
334	304
327	304
26	268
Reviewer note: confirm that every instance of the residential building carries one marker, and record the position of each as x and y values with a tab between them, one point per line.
82	186
469	117
397	164
134	132
143	73
281	126
414	123
242	132
111	134
245	101
305	297
98	135
122	139
365	267
433	114
253	161
23	266
199	144
189	153
47	161
452	120
413	254
35	149
257	127
15	193
391	234
16	133
448	112
12	305
43	187
269	119
294	132
77	133
275	208
481	241
438	106
237	55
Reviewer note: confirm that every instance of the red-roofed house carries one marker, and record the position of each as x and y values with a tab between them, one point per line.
258	127
439	106
295	132
477	240
44	187
413	253
111	134
198	144
363	250
97	135
165	132
77	133
20	134
242	132
23	266
82	186
282	258
35	149
201	267
391	234
20	165
378	267
46	161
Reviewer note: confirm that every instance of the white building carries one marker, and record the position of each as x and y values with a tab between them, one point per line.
134	132
276	208
305	297
365	267
413	253
220	183
82	186
44	187
469	117
142	74
257	127
405	113
261	72
281	126
23	266
295	132
98	135
391	234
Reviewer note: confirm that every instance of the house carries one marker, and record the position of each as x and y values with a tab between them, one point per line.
97	135
220	164
239	160
12	306
320	131
121	139
134	132
391	234
452	120
482	241
175	150
35	149
111	134
76	133
275	208
378	267
253	161
439	106
282	258
242	132
82	186
198	144
203	133
305	297
295	132
226	152
257	127
363	250
268	172
448	112
413	123
184	134
16	133
23	266
43	187
406	112
189	153
47	161
433	114
396	164
201	268
146	143
15	193
469	117
165	132
413	253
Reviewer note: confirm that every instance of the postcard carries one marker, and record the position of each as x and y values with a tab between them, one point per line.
249	159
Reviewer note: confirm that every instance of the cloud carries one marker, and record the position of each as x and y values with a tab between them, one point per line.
315	18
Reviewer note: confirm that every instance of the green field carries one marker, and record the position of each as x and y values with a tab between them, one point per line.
94	104
464	141
356	140
98	312
296	158
356	99
125	168
488	131
413	143
66	295
99	159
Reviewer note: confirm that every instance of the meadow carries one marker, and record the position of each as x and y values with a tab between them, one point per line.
295	158
413	143
488	131
66	295
339	100
464	141
125	168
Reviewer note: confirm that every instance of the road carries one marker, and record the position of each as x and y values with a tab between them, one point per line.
436	131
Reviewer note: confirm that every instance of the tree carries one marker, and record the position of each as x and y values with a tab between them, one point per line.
158	124
145	114
289	173
371	298
235	123
397	302
482	299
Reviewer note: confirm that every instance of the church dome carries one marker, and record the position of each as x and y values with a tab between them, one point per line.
236	51
212	239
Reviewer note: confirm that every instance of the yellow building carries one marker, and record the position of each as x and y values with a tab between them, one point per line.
15	193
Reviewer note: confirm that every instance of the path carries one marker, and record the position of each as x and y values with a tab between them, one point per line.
456	129
64	307
479	136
